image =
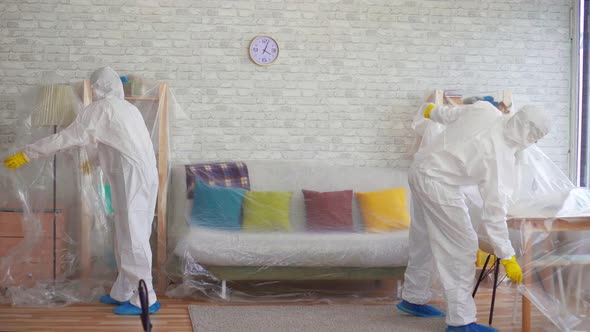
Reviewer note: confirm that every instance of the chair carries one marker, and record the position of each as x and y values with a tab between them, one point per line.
484	246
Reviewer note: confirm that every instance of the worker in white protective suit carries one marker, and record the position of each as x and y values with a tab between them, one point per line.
114	130
427	130
478	148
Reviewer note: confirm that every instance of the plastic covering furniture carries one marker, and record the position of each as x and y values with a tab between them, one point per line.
560	262
548	220
84	255
221	255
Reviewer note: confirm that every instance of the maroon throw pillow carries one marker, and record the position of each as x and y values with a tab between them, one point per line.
328	211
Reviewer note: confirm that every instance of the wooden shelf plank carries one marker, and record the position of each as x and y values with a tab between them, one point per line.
564	260
143	98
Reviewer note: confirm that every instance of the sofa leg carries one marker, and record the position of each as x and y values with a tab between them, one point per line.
224	289
398	294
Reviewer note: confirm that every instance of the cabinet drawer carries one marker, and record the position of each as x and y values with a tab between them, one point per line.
11	224
42	252
29	273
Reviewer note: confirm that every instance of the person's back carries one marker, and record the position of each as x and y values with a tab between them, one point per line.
113	121
124	134
110	122
480	143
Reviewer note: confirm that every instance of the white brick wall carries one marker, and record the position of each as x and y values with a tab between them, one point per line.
349	76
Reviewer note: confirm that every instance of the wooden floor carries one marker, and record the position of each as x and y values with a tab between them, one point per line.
174	316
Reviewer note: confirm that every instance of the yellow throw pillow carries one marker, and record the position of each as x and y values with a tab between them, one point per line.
384	210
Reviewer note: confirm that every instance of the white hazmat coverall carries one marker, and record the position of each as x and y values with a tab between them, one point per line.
477	148
117	130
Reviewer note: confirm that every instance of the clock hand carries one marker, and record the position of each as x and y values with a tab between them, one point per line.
264	50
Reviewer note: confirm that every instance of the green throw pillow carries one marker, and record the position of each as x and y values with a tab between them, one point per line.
266	211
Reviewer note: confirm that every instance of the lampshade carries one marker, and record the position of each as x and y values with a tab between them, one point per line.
55	106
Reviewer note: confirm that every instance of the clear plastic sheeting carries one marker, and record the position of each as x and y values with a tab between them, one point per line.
548	218
555	262
264	230
56	213
552	222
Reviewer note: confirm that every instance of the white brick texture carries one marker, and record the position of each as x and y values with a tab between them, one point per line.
349	77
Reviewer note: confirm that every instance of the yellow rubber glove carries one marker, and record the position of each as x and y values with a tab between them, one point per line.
17	160
428	109
513	270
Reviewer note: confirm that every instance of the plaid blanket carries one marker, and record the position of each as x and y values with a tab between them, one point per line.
232	174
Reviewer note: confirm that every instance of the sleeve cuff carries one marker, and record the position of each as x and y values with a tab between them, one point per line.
504	252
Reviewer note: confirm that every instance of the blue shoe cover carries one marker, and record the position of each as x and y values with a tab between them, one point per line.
107	299
473	327
421	310
129	309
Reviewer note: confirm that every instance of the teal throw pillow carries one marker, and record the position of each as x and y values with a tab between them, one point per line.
218	207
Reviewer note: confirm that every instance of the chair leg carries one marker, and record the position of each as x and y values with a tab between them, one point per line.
480	279
224	290
496	270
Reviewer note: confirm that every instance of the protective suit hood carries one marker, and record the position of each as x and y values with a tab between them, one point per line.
527	126
105	83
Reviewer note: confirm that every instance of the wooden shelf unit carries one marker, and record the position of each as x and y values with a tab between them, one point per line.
440	99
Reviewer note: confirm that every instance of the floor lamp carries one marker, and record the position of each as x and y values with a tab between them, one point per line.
55	107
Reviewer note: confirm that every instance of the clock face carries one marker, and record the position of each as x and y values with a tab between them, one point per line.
263	50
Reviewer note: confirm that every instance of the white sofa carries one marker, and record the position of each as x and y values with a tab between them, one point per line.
231	255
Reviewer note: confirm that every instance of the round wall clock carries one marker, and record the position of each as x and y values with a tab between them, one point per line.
264	50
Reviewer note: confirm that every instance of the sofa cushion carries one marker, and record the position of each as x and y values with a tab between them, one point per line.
210	246
218	207
384	210
267	211
328	211
322	176
289	175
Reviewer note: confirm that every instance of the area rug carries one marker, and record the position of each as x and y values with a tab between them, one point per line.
316	318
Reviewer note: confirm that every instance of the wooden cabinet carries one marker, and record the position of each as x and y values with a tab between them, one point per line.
40	260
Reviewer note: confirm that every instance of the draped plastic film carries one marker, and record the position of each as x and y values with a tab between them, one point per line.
268	230
262	230
56	213
549	222
281	230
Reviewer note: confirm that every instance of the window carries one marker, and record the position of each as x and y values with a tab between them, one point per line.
581	94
